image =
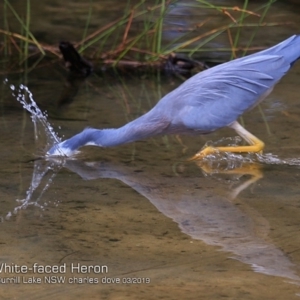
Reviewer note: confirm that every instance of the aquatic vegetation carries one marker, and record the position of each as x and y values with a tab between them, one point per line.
138	37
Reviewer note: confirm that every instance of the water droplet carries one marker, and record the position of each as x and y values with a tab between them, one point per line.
39	119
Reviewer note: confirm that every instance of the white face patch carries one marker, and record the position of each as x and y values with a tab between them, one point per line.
60	150
93	144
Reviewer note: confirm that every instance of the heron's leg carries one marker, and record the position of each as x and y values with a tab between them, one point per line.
256	145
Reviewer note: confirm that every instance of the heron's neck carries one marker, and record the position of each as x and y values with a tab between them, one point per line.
143	127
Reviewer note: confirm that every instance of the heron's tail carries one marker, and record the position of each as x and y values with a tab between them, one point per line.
289	49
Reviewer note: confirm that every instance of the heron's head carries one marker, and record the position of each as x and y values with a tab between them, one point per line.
88	137
60	150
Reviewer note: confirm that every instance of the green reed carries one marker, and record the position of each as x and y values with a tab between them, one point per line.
27	37
138	34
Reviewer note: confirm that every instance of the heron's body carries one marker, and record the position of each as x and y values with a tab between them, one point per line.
208	101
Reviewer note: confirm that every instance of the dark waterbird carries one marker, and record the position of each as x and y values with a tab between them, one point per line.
208	101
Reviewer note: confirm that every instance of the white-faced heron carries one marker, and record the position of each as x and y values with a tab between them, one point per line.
206	102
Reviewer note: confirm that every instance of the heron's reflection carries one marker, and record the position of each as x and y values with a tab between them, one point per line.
201	209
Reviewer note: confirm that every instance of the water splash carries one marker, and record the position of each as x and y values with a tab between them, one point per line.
228	160
272	159
40	181
39	119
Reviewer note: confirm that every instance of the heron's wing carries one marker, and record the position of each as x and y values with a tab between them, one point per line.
289	49
214	99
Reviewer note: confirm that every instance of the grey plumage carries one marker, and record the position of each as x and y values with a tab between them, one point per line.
208	101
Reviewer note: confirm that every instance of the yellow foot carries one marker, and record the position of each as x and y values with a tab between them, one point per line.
206	151
256	145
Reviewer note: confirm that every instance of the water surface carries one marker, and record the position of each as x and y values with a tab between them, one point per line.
141	209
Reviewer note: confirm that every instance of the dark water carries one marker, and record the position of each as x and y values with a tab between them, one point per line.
141	209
